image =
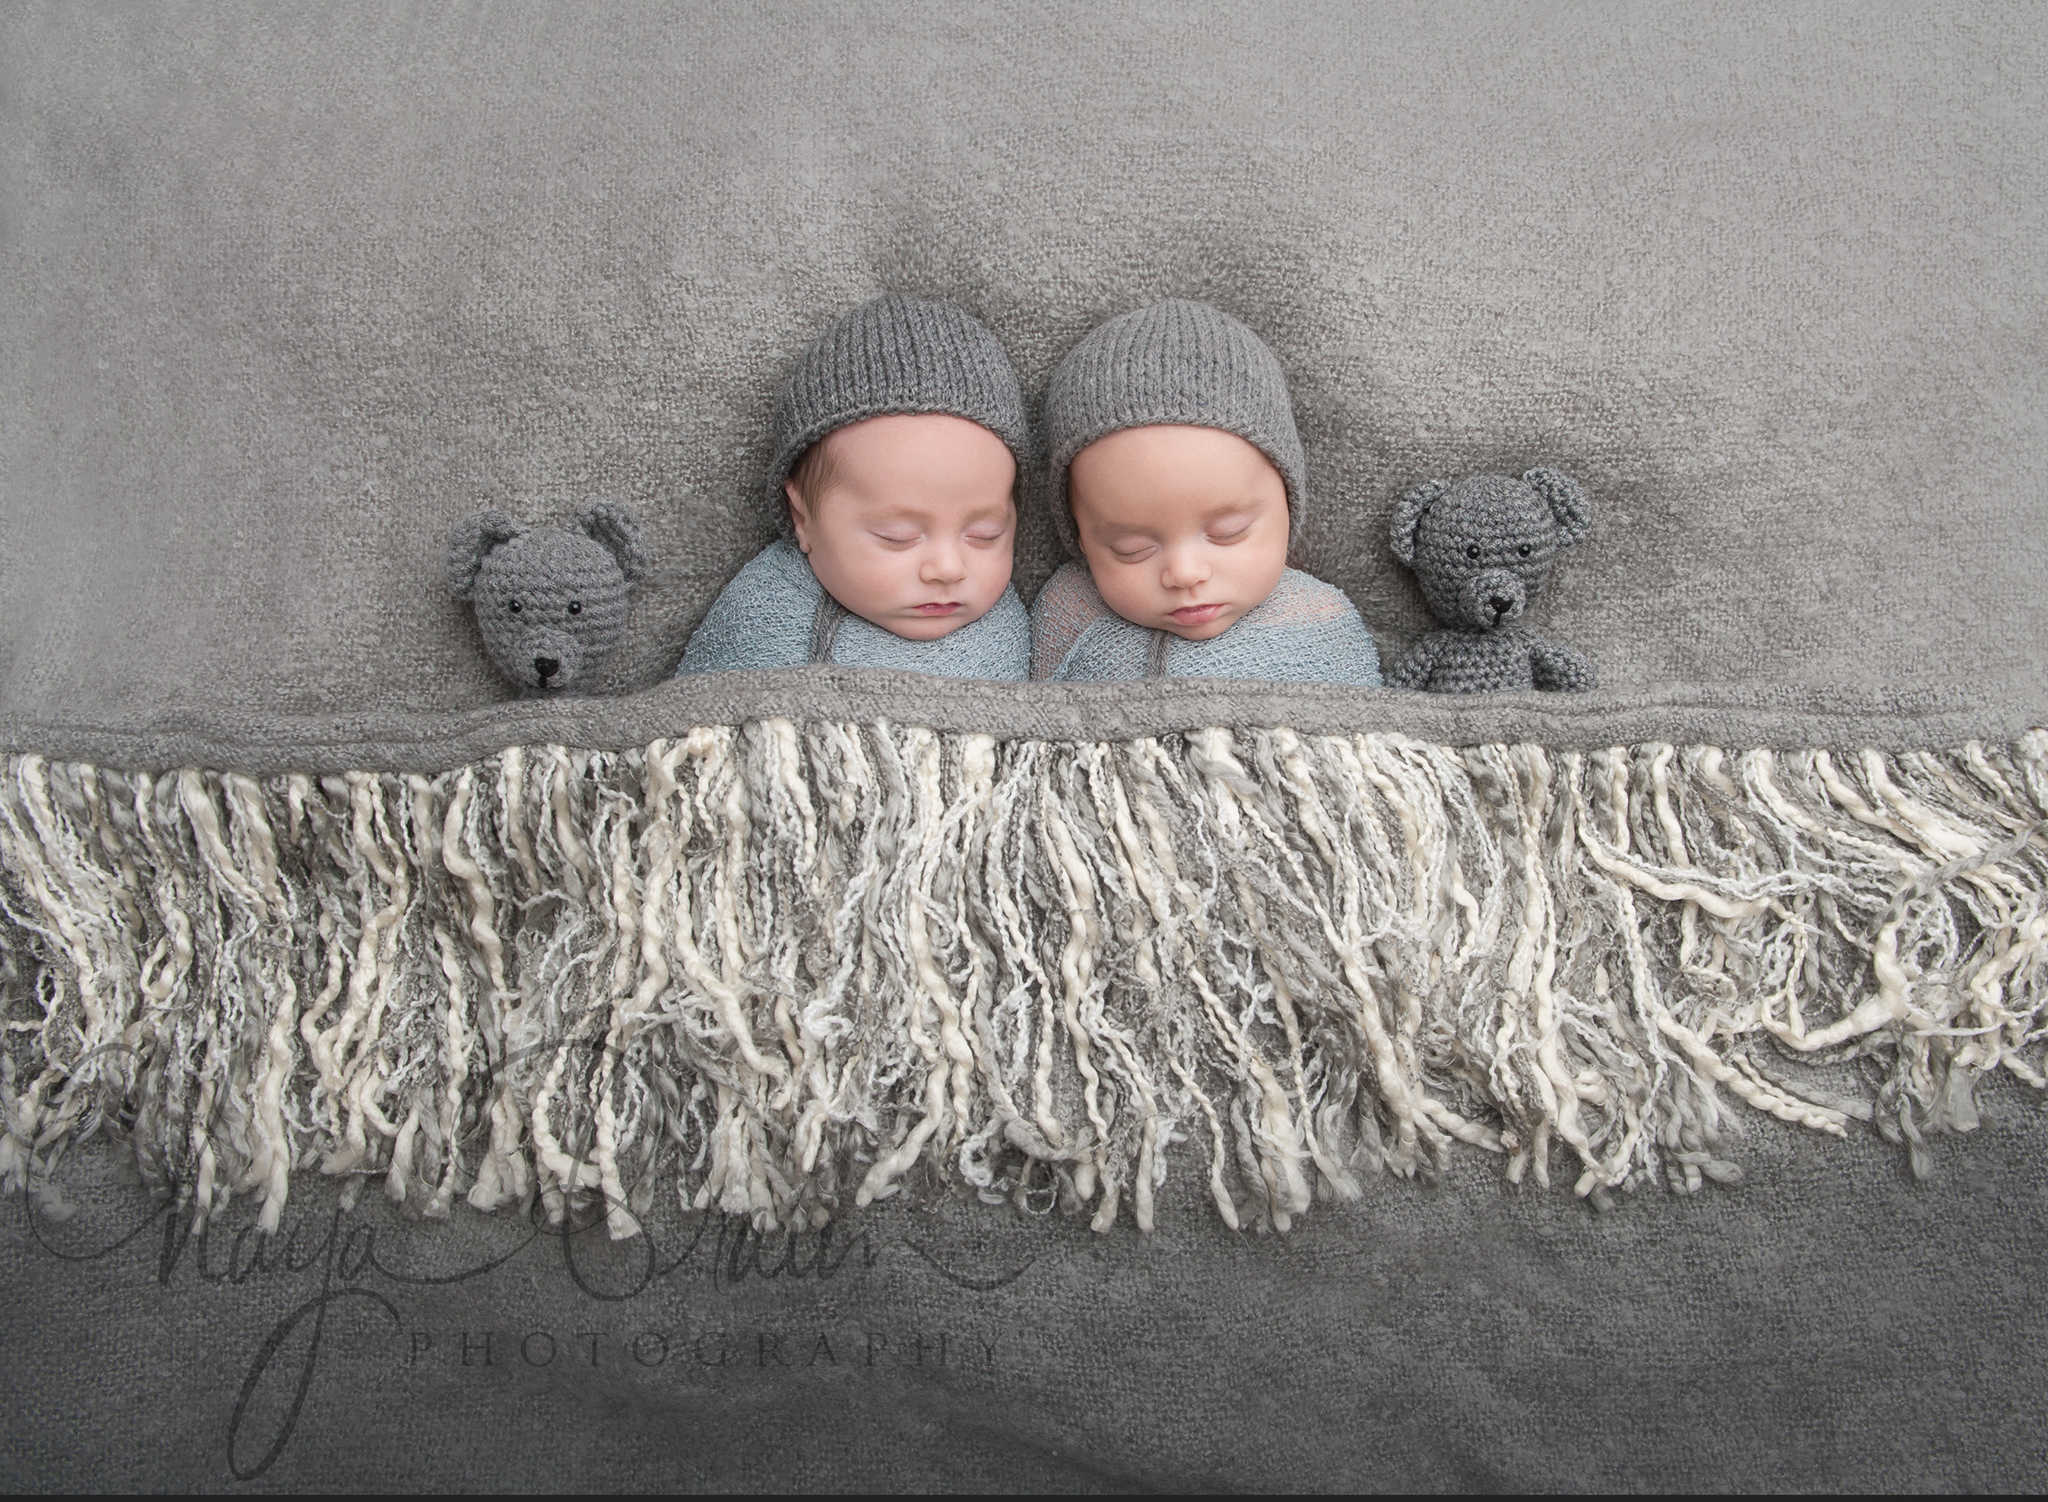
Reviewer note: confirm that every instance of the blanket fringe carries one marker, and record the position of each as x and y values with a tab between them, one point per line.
779	970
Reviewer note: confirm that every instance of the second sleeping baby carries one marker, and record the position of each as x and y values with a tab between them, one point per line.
1176	473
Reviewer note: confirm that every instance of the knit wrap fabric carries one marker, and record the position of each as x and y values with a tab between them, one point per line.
775	614
896	354
1173	362
1305	631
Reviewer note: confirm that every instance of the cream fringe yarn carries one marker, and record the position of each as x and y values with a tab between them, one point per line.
782	970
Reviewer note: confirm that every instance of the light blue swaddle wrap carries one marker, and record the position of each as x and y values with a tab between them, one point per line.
775	614
1305	631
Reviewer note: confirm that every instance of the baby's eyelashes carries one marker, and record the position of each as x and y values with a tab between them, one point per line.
1139	552
903	540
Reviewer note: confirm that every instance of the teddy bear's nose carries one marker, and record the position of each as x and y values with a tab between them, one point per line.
546	667
1501	604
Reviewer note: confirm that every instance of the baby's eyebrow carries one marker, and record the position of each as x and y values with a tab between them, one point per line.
911	512
1229	510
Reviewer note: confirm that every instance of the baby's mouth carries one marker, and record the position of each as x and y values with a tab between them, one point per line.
1194	615
938	607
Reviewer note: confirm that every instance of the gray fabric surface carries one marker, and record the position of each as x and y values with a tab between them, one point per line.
285	292
1828	1325
432	741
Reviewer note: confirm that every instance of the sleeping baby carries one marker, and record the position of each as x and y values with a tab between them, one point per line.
1176	469
897	443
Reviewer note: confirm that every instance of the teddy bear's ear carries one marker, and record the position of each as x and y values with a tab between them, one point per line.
1567	501
614	525
469	541
1408	516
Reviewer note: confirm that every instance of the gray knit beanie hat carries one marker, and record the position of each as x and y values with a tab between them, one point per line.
896	354
1174	362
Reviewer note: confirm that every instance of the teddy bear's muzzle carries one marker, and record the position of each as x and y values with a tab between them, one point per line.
1492	598
546	662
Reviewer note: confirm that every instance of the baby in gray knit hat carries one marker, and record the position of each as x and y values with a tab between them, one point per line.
1176	469
898	439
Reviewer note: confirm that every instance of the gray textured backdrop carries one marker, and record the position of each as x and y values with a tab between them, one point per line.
282	292
285	291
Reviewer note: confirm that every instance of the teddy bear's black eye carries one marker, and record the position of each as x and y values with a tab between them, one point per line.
513	606
1523	550
576	606
1471	550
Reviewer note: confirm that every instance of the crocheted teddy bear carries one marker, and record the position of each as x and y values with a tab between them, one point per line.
551	601
1482	548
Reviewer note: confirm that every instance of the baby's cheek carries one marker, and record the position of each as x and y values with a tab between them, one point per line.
1123	590
993	577
891	578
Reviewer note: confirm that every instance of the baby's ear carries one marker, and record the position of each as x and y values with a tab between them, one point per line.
613	524
1567	501
470	542
800	513
1408	516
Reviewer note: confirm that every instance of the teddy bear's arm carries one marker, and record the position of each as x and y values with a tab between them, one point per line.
1557	666
1416	665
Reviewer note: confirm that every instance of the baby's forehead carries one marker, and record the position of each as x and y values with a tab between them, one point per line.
1144	510
937	501
1162	475
936	494
1195	461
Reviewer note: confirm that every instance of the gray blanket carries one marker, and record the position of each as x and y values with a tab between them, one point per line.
284	293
